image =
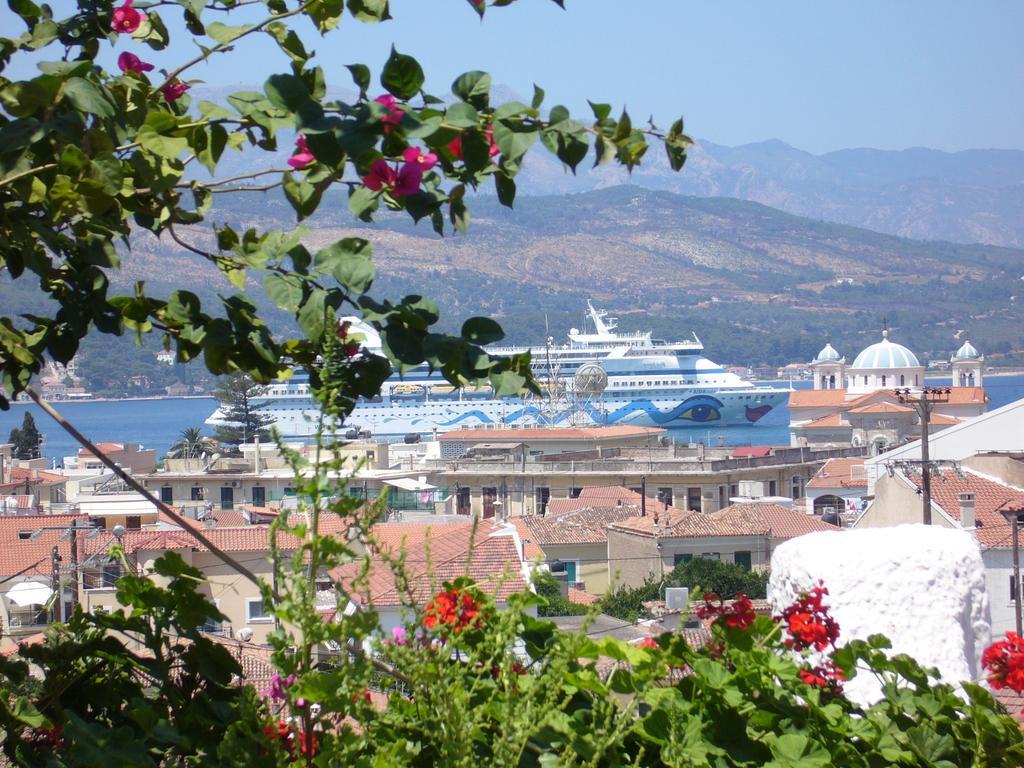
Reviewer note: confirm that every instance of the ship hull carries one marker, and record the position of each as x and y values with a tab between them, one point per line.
709	408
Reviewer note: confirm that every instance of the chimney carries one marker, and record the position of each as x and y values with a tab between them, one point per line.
967	520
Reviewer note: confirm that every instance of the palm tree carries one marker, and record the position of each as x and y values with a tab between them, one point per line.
192	444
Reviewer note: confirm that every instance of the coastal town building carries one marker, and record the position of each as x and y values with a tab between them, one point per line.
651	545
968	498
524	481
838	489
856	404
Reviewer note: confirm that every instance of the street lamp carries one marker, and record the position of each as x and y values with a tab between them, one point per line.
1013	517
923	403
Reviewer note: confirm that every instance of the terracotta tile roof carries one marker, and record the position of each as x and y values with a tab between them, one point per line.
531	549
817	398
752	519
544	433
967	395
941	418
882	408
37	476
580	597
752	451
35	639
1012	701
840	473
588	525
832	421
990	497
18	553
435	554
605	495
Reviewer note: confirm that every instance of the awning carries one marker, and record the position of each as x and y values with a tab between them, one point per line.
408	484
29	593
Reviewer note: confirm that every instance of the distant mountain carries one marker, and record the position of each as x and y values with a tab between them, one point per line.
975	196
755	283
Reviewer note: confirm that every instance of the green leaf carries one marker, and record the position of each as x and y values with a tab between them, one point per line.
285	291
312	315
287	92
349	261
402	75
506	189
482	330
151	136
362	203
360	76
303	196
514	138
369	10
538	96
462	115
473	87
87	97
224	33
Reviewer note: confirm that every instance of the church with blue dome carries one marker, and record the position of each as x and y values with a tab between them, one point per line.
856	403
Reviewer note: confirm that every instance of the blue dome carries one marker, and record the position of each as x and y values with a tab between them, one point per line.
967	352
886	354
827	354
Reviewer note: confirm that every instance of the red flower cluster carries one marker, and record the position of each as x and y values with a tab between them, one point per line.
649	642
46	739
454	608
739	614
283	735
826	675
809	623
1004	661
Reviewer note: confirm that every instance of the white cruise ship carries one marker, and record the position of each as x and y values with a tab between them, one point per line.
597	377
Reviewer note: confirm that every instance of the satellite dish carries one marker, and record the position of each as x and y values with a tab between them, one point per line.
591	379
245	634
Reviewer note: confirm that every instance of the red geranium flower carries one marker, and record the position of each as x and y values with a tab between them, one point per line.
739	614
1004	661
809	623
649	642
454	608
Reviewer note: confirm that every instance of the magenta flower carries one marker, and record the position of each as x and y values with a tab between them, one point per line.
455	145
399	636
410	175
129	62
126	19
302	158
174	90
381	175
278	686
425	161
394	114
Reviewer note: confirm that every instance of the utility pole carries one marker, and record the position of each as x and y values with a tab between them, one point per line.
923	405
57	612
1013	517
643	496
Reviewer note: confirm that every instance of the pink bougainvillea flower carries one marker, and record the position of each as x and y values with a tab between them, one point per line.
126	19
394	114
399	635
425	161
455	145
302	158
410	176
381	175
174	90
129	62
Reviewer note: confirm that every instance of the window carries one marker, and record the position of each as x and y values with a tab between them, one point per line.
711	555
773	488
883	379
490	495
101	576
574	493
198	493
693	499
462	501
353	490
723	496
569	567
541	497
133	522
227	497
665	496
255	611
259	496
167	495
903	380
679	559
796	486
742	559
865	381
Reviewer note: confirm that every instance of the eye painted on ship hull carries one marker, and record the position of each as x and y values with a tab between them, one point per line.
701	408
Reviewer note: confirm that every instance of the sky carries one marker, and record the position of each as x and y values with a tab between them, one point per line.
817	75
